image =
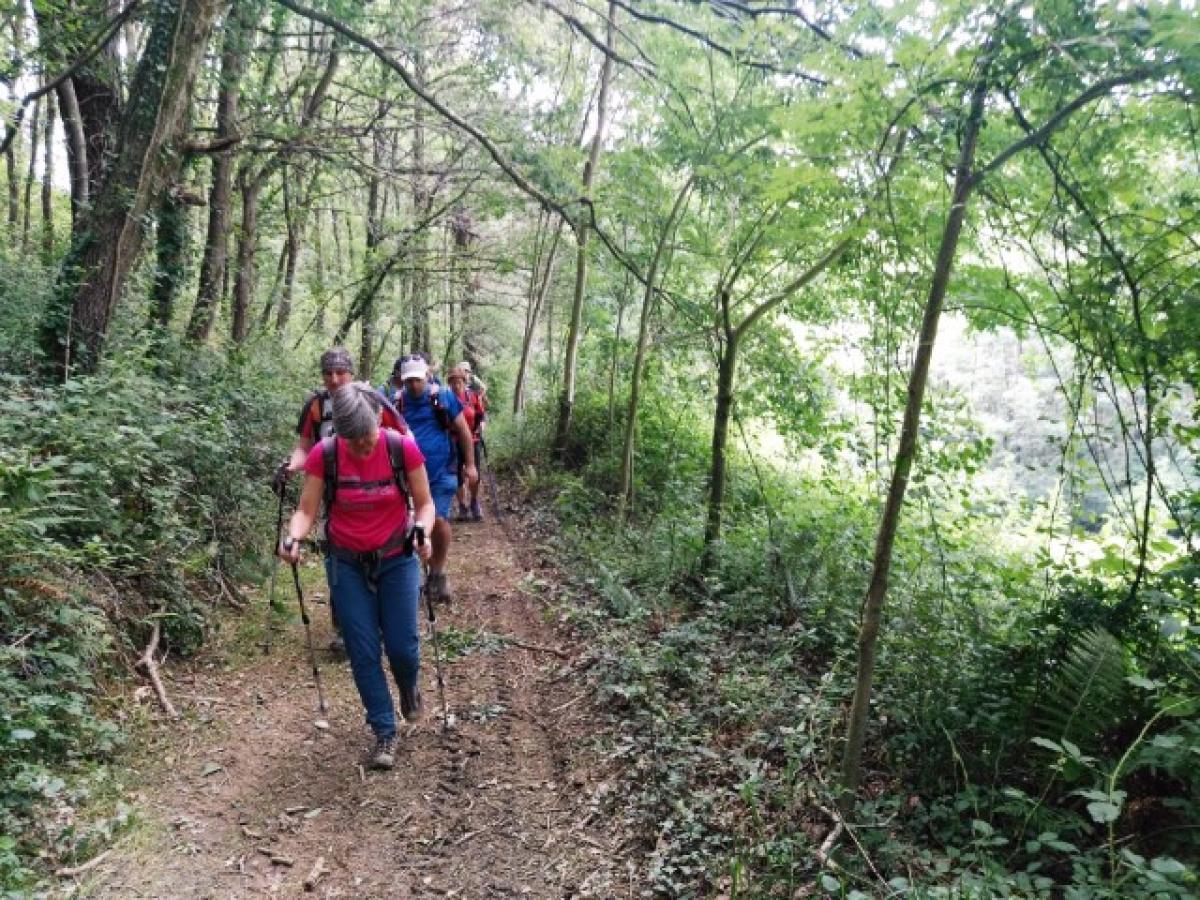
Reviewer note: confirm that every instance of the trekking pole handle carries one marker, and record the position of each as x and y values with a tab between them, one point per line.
419	535
288	543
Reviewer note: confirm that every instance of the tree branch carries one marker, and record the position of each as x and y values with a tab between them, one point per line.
523	183
108	33
1040	134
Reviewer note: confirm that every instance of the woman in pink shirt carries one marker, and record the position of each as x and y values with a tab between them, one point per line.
372	507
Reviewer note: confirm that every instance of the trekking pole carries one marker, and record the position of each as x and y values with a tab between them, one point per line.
266	644
493	492
288	543
433	635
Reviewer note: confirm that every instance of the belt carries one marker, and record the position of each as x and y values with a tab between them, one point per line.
369	560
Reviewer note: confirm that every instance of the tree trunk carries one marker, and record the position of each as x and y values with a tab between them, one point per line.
625	498
243	286
851	774
48	181
539	289
727	370
294	229
567	400
76	149
14	188
93	276
30	174
234	53
90	100
422	204
374	237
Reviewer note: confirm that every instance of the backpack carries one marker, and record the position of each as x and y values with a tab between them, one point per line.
395	448
439	411
319	408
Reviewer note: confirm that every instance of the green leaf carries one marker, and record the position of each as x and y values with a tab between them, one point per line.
1103	812
830	883
1165	865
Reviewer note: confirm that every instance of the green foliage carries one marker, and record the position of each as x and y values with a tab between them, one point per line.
1087	693
125	498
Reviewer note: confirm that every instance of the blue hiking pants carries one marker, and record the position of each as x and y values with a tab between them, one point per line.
364	614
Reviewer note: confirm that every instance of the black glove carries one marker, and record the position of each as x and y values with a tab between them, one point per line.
280	479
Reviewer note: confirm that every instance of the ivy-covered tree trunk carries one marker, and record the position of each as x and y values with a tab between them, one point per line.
30	175
171	254
48	180
566	405
107	244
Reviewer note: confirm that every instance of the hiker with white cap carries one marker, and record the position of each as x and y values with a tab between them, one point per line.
435	418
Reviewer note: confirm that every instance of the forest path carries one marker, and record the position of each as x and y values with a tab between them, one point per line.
499	806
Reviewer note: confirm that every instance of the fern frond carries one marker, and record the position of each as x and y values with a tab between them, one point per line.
1086	696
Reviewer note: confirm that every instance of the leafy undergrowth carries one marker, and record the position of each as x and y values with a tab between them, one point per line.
128	500
727	697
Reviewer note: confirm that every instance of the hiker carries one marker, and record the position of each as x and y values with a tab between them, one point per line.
475	383
373	484
316	422
436	420
474	413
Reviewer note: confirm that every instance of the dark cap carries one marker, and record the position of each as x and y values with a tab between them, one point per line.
337	358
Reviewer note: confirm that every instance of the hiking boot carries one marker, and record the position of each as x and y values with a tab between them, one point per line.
411	704
384	754
476	512
461	513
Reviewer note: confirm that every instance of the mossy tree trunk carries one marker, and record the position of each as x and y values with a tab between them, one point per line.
103	252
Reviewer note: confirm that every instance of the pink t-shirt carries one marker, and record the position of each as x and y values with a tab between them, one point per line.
367	509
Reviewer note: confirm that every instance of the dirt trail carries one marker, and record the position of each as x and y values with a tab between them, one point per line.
503	805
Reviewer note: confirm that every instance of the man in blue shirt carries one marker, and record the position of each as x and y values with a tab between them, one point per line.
435	418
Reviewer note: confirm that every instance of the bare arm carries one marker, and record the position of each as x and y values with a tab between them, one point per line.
306	513
299	454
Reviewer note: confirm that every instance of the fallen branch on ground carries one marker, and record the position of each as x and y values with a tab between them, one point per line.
73	871
146	661
536	648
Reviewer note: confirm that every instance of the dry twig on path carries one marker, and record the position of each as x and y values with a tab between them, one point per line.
536	648
146	661
73	871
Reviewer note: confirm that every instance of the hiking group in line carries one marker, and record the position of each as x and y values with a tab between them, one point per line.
382	469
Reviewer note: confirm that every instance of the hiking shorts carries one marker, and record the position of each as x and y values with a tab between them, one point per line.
443	490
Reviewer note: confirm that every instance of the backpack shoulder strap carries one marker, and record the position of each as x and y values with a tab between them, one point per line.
395	446
329	457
